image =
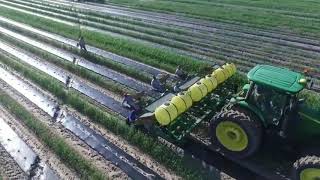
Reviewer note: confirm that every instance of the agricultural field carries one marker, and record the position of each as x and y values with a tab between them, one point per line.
61	112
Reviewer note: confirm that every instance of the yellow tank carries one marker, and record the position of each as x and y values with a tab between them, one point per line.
230	69
213	81
234	68
179	103
166	113
187	98
219	75
208	83
226	71
198	91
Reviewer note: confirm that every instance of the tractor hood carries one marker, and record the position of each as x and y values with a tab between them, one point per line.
282	79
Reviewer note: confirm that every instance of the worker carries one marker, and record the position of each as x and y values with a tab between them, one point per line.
57	112
131	117
176	88
129	102
69	81
157	85
75	61
181	74
82	44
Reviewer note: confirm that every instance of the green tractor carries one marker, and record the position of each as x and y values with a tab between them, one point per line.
269	106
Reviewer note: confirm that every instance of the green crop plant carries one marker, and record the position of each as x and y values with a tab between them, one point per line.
312	99
58	145
112	26
92	15
82	72
243	12
147	144
137	51
91	57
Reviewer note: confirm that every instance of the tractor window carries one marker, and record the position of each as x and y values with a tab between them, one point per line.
269	101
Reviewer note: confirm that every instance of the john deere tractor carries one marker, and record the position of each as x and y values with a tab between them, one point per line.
269	106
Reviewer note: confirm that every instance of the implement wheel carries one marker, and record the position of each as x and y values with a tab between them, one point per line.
236	133
307	168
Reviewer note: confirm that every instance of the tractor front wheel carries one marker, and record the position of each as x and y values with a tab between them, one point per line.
236	133
307	168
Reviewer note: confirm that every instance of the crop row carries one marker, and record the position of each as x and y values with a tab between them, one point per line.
143	53
207	44
231	58
82	72
194	25
240	61
147	144
254	55
253	18
93	58
223	57
67	154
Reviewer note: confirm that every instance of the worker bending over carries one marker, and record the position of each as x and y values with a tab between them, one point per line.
181	74
157	85
130	103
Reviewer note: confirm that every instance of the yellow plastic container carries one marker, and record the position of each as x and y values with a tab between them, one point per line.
198	91
234	68
219	75
213	81
230	69
226	71
208	83
179	103
186	97
166	113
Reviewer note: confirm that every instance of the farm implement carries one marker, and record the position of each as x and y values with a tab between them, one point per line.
246	126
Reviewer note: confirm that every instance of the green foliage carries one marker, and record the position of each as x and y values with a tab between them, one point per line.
311	99
147	144
58	145
82	72
93	58
298	16
138	51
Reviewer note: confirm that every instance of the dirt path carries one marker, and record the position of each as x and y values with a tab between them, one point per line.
9	169
34	143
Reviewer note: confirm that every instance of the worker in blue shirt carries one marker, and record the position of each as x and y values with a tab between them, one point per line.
157	85
129	102
132	117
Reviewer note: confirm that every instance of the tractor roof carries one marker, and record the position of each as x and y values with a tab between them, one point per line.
280	78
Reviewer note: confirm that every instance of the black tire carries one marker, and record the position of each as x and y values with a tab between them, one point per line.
304	163
249	124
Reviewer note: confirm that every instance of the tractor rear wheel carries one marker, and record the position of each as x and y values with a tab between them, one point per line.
237	133
307	168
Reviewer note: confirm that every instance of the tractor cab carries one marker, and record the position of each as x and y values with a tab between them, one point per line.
272	92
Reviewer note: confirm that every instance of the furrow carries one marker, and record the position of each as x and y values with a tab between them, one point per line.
120	59
62	76
23	155
247	54
106	72
97	142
